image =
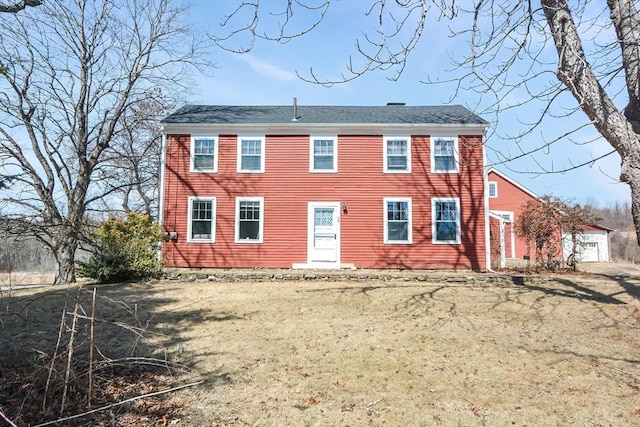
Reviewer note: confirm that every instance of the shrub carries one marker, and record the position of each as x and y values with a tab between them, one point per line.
126	249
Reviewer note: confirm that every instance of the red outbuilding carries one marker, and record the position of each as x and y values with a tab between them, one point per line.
507	199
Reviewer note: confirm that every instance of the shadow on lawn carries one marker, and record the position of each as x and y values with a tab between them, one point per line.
45	357
630	284
568	288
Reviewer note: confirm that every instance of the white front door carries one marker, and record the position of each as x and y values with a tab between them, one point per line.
324	235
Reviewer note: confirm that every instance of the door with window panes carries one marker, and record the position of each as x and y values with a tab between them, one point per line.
324	234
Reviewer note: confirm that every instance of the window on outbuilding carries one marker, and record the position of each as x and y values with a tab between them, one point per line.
493	189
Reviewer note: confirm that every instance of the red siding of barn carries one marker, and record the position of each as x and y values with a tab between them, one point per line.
287	186
510	198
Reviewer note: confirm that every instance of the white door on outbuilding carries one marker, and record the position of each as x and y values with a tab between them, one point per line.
589	252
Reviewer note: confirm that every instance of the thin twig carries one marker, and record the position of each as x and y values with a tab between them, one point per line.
119	403
67	373
91	335
54	357
370	404
7	419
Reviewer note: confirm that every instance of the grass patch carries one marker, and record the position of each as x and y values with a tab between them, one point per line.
560	352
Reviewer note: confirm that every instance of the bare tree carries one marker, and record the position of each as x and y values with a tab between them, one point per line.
539	224
544	221
13	7
131	175
597	61
75	73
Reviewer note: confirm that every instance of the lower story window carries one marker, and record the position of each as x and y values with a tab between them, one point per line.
249	219
446	220
202	219
397	222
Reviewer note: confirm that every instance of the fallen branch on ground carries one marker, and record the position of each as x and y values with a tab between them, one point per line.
370	404
102	408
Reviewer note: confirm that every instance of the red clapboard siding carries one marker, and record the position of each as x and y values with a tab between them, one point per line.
510	198
287	186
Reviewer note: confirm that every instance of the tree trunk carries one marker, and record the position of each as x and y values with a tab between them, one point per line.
65	254
621	130
633	179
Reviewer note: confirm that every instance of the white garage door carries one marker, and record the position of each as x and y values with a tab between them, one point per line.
589	252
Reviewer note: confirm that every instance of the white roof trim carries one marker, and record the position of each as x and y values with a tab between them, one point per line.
499	217
514	183
297	128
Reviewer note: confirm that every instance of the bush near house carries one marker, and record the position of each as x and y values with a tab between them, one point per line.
542	223
125	249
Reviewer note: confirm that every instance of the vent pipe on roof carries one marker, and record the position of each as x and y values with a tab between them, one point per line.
295	109
395	104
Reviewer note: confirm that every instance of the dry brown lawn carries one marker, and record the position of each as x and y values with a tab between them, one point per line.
557	352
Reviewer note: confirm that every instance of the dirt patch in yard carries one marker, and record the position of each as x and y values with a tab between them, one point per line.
563	351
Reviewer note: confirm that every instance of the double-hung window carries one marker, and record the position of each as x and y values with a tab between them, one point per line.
251	153
249	219
323	154
444	154
397	154
202	215
204	153
446	220
493	189
397	220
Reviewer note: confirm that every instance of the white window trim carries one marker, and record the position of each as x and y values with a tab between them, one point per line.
262	140
456	157
213	219
334	138
385	140
433	221
504	215
260	224
192	152
409	221
495	184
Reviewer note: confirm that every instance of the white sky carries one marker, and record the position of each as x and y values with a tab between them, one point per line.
267	76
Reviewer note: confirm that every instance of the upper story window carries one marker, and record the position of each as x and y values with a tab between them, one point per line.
397	220
323	154
493	189
444	154
204	153
202	225
249	219
251	151
397	154
446	220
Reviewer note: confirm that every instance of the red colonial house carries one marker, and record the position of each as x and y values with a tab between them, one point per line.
324	187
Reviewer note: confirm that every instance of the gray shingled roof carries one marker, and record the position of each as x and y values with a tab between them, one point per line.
280	114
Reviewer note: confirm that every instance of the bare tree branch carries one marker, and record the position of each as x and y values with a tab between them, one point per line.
18	6
507	66
76	72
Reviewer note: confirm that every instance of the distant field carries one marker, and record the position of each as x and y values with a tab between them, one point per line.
547	353
25	278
